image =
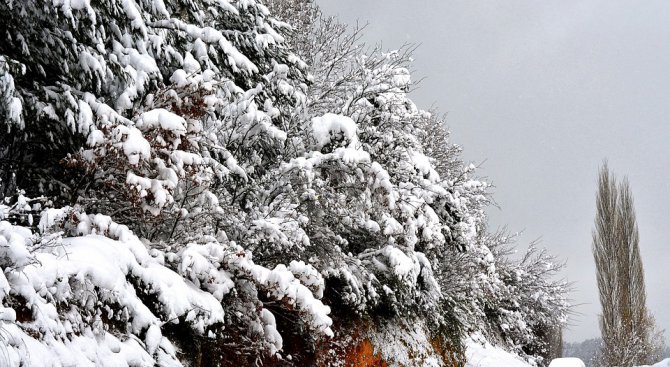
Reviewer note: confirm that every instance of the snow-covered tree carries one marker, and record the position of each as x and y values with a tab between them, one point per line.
153	113
481	286
512	302
207	185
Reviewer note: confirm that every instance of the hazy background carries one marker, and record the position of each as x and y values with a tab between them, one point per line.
543	91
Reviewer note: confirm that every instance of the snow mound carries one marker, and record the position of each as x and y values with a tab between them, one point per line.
483	354
663	363
566	362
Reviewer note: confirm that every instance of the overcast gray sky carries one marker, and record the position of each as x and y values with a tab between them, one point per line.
544	91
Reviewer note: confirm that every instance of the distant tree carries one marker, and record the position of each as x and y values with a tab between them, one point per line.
585	350
555	343
626	325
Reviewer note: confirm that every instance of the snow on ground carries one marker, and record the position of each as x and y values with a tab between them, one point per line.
480	353
663	363
567	362
483	354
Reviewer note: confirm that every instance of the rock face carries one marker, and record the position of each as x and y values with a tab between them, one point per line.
397	343
360	343
364	355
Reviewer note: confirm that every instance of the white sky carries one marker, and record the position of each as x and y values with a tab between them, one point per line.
543	91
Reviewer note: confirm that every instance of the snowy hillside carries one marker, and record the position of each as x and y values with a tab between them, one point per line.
226	183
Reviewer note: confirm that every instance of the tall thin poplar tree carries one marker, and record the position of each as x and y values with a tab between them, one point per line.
626	326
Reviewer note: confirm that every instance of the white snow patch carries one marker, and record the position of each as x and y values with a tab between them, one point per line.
483	354
663	363
331	126
566	362
164	119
